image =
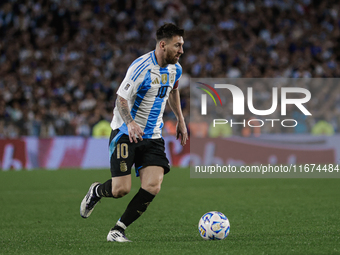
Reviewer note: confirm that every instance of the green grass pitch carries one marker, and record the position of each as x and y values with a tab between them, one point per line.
39	214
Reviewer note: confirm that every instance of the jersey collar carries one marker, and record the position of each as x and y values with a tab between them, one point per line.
153	57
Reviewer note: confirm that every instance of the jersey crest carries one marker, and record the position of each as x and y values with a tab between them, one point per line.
164	78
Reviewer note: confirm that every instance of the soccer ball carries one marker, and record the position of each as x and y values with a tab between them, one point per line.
214	226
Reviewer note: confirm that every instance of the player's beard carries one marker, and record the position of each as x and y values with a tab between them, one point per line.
171	59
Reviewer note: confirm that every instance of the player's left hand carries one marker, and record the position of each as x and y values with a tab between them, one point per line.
135	132
181	131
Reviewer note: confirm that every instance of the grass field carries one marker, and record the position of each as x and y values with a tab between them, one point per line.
39	214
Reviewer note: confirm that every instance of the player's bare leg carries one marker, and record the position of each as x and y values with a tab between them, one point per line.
151	178
121	185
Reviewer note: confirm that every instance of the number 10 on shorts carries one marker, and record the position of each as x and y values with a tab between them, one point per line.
122	150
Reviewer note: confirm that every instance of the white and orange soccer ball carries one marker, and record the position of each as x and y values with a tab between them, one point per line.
214	226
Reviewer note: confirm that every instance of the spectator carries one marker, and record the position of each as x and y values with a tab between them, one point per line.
322	127
101	129
222	130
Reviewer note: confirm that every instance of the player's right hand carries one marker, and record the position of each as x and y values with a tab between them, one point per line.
134	132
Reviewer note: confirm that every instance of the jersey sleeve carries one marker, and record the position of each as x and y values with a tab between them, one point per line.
176	85
128	85
178	75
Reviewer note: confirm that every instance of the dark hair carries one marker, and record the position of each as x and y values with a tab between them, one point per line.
168	30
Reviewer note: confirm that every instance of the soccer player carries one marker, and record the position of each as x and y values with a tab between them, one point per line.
136	136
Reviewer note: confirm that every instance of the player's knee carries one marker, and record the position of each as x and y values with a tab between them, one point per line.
153	188
121	191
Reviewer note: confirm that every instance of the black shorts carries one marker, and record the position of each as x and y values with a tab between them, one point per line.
123	154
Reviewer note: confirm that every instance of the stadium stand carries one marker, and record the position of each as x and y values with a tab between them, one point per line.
61	61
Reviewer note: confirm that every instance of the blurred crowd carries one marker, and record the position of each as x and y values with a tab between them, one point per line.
61	61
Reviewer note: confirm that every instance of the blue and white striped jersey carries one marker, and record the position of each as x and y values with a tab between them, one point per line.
146	88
